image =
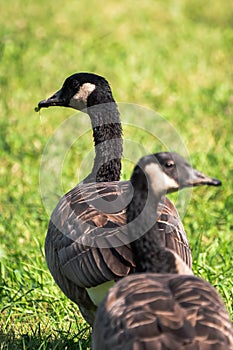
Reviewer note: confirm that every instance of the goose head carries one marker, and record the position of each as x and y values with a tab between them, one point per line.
167	172
80	91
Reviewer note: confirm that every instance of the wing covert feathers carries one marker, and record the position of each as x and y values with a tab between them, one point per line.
77	258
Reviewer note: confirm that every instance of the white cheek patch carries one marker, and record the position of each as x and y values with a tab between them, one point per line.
79	100
159	180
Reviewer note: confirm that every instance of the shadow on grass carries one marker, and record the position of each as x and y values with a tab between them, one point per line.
11	341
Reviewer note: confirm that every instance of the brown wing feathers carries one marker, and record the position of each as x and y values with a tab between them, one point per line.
75	224
164	312
79	222
173	232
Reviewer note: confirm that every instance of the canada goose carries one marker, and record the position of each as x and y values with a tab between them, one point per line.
164	306
82	272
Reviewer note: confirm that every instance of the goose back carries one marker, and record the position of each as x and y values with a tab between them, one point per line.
76	263
173	312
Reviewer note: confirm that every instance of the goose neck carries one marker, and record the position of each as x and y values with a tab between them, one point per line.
149	250
107	134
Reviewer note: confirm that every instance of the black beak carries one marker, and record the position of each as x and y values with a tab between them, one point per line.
197	179
55	100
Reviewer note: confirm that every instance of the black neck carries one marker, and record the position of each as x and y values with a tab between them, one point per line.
149	250
107	134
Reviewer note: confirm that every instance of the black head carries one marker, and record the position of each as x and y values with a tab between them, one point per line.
168	172
80	91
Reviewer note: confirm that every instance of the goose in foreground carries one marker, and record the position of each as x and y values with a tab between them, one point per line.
83	272
163	306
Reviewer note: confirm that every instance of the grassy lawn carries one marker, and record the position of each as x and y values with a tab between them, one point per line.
173	57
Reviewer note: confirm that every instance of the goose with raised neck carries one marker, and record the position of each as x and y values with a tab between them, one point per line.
85	273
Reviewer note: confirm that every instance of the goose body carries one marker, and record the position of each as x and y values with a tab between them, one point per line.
76	263
161	306
81	270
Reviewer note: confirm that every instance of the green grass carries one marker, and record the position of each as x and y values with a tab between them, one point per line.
174	57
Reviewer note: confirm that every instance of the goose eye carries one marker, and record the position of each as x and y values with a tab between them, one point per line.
75	84
170	164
